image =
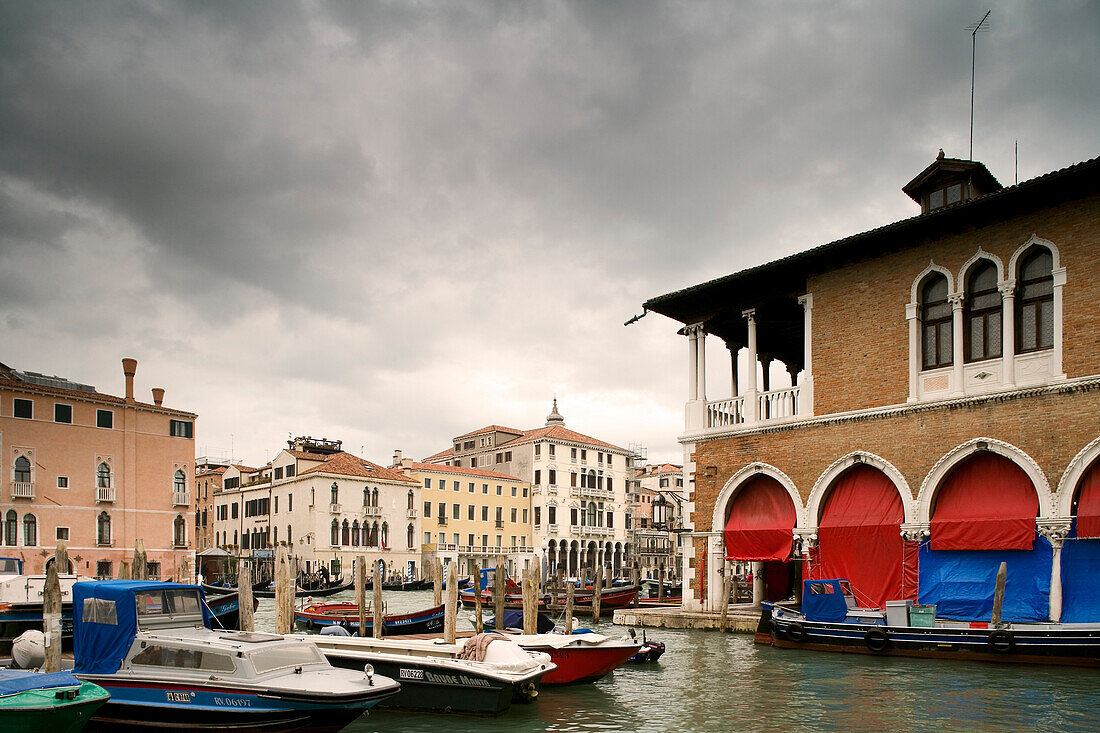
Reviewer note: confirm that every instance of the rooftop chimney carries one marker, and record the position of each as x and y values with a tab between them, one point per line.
397	458
129	368
158	396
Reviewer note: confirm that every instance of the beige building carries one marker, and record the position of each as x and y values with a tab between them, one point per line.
208	484
472	515
326	505
95	470
579	487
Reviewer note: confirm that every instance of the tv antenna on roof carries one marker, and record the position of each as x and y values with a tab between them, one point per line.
980	27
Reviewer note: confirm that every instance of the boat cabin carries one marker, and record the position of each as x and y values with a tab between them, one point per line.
832	601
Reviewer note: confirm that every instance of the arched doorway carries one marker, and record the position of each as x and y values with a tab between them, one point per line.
859	535
1081	552
982	514
759	527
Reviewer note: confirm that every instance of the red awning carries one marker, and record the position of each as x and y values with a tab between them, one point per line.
761	522
859	535
1088	503
986	503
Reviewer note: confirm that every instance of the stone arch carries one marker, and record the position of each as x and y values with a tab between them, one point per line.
1071	477
737	480
1034	239
914	290
981	254
959	453
816	500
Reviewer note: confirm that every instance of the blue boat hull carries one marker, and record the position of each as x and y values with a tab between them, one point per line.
136	704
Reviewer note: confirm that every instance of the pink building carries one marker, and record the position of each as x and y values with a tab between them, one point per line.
95	470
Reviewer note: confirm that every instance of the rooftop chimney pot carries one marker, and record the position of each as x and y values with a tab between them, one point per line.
129	369
158	396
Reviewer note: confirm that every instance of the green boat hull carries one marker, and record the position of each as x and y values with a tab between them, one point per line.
41	711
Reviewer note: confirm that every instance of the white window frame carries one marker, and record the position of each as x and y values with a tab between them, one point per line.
65	479
57	533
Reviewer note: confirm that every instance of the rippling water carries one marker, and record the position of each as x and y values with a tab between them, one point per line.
708	681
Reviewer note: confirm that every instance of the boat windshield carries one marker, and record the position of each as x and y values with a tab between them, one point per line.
9	566
284	656
155	655
157	607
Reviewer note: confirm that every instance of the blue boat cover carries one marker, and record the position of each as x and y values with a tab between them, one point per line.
514	620
961	583
823	600
105	621
14	681
1080	568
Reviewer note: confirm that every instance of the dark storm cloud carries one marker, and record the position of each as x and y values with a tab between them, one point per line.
375	209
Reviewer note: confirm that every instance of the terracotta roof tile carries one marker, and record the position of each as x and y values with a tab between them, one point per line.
558	432
439	468
345	464
491	429
441	454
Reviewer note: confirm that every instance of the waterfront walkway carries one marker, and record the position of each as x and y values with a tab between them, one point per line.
740	617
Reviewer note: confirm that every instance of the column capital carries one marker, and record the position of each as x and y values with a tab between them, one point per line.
1007	287
956	300
749	315
805	540
806	301
1055	529
915	531
694	329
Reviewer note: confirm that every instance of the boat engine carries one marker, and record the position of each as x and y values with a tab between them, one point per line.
29	649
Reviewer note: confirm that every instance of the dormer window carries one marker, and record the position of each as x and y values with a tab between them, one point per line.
945	196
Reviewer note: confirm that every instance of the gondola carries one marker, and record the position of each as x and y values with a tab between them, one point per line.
328	590
346	614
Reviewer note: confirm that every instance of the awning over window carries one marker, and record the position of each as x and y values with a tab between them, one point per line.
761	522
1088	503
986	503
860	537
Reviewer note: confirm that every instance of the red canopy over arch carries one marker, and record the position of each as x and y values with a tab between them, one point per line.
761	522
1088	503
859	535
986	503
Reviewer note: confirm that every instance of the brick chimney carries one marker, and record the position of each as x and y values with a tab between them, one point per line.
129	368
397	459
158	396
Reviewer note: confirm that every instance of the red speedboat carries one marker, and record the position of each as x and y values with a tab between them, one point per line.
580	657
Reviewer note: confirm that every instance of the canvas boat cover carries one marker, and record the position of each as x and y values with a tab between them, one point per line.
859	535
986	503
761	523
15	681
105	621
1080	591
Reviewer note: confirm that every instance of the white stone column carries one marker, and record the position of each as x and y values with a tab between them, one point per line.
1008	332
911	311
693	362
752	409
1059	282
1055	530
958	359
701	366
757	583
805	404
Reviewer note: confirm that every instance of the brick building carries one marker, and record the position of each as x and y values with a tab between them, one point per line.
95	470
940	410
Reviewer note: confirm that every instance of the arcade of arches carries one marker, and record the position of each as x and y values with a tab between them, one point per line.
984	509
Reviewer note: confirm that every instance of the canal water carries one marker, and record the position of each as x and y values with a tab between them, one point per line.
708	681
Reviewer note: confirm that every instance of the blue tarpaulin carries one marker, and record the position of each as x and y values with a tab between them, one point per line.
961	583
12	682
105	621
1080	571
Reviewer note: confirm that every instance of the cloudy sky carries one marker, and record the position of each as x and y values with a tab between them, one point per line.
392	223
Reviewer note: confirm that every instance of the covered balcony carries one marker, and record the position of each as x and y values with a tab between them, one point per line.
766	327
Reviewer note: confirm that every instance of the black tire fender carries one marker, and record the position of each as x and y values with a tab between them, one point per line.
876	639
796	632
1001	640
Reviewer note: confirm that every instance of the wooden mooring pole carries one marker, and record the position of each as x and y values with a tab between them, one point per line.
450	613
498	592
361	592
378	610
570	592
726	581
437	579
597	588
244	596
51	611
285	586
140	569
999	594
